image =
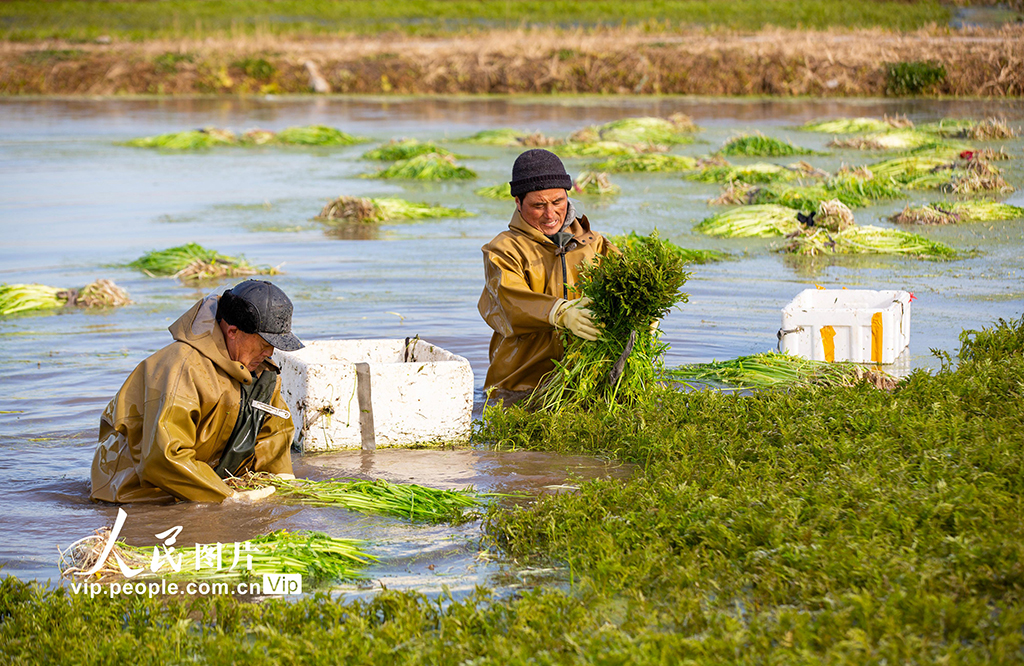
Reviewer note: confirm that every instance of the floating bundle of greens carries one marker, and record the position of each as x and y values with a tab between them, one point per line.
759	145
209	137
855	191
689	256
915	171
594	183
770	370
500	191
628	293
856	125
199	139
958	211
403	149
369	211
818	241
315	135
194	262
763	221
961	128
15	298
318	557
645	130
402	500
511	138
893	140
598	149
760	172
429	166
647	162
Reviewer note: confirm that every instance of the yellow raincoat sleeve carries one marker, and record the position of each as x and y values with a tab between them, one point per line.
274	440
509	304
169	435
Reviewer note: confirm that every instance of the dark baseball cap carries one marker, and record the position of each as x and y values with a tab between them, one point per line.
257	306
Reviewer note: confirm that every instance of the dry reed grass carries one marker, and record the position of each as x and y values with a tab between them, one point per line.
627	60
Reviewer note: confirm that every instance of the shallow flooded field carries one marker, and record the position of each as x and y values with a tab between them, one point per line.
75	206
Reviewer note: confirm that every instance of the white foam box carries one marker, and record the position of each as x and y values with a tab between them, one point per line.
860	325
346	394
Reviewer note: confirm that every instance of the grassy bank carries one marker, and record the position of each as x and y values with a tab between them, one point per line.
624	60
86	20
819	525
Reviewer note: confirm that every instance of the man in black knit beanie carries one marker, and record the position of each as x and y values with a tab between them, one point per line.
530	274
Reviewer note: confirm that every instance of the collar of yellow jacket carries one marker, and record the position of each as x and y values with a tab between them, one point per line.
580	229
198	328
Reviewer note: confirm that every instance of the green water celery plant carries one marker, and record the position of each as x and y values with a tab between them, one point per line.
403	149
388	209
763	221
772	369
17	298
759	145
192	262
688	255
629	293
648	162
837	525
318	557
952	212
209	137
430	166
402	500
676	129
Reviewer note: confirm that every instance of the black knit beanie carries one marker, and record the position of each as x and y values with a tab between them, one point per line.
538	169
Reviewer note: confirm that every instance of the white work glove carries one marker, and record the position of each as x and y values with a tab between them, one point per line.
285	476
251	495
575	316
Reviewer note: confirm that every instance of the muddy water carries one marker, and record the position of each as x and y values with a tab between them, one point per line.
74	206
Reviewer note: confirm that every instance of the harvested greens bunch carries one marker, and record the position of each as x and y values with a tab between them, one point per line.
15	298
370	211
195	262
629	293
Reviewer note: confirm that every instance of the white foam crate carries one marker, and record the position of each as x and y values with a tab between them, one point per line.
860	325
366	393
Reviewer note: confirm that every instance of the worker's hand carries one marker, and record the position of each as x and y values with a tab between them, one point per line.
251	495
285	476
575	316
654	325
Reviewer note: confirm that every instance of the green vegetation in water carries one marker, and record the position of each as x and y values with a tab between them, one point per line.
16	298
316	135
319	558
976	130
895	140
370	211
194	262
676	129
759	145
78	20
760	172
594	149
953	212
210	137
402	500
646	163
847	126
772	369
688	255
838	525
915	171
867	239
628	293
594	184
852	191
511	138
762	221
403	149
500	191
200	139
913	77
430	166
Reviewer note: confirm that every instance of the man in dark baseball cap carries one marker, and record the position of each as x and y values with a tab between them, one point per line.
257	306
203	408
